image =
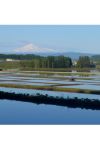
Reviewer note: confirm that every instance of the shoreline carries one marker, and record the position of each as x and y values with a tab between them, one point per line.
50	100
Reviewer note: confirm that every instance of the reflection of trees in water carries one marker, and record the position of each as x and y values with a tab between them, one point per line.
50	100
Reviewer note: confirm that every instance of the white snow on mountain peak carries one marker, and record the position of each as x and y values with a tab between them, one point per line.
32	48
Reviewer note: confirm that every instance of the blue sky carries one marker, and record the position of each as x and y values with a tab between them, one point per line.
53	37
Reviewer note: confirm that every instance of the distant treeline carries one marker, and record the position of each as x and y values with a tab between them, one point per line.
34	62
48	62
18	56
96	58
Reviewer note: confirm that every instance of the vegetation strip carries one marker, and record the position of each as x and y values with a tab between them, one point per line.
52	88
50	100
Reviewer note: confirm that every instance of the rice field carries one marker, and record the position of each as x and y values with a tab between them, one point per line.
84	86
53	81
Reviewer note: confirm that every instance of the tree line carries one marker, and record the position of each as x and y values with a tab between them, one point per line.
49	62
18	56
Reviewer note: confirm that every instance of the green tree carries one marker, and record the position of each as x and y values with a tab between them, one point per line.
84	62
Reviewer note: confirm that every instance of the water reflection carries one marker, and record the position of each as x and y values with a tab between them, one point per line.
50	93
12	112
17	112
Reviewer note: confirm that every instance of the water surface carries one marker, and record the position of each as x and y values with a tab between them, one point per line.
12	112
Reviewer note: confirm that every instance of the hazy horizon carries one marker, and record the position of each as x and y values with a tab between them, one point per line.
49	38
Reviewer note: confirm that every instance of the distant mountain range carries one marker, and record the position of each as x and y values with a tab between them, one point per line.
28	56
36	50
73	55
76	55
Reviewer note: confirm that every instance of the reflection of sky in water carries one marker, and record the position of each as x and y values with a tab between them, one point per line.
50	93
12	112
91	87
21	80
89	81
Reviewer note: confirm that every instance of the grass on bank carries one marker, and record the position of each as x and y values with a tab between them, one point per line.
60	73
52	88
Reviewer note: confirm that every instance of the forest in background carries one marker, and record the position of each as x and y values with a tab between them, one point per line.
47	63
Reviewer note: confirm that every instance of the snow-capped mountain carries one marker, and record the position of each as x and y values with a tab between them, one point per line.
34	49
31	48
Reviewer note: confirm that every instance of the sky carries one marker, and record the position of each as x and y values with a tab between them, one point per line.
50	38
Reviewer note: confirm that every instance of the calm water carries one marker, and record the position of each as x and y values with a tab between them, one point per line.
12	112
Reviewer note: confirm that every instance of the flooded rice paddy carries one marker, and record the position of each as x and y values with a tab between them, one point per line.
12	112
